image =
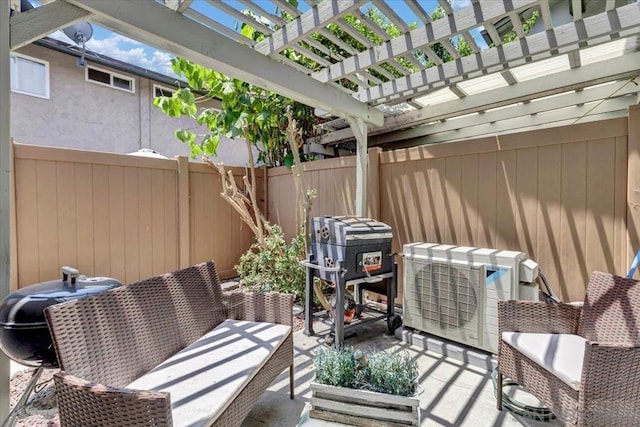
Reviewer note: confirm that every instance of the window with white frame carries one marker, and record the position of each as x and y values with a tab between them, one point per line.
108	78
29	76
162	91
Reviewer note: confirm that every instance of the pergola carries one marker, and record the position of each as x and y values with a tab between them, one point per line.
577	65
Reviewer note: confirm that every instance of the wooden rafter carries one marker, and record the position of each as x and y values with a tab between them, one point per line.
255	6
246	19
619	68
434	32
623	67
591	31
319	16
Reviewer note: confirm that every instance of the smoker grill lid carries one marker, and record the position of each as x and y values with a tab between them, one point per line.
340	229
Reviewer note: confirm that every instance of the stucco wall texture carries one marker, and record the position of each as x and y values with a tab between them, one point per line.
85	115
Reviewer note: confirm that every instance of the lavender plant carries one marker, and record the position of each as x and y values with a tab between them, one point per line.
379	371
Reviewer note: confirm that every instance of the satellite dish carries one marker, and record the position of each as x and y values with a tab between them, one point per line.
80	33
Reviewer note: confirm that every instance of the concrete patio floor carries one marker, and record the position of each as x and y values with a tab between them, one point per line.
455	393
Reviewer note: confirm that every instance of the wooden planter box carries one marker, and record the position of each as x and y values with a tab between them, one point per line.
363	408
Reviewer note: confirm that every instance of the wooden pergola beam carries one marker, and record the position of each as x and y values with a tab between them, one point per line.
27	27
156	25
469	124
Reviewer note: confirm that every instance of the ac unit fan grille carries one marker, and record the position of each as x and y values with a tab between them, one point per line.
448	294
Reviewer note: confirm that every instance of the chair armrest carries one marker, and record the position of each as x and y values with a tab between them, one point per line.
609	374
82	403
538	317
261	307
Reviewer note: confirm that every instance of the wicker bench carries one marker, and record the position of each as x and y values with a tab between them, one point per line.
169	350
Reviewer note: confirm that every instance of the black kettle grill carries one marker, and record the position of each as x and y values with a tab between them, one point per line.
24	335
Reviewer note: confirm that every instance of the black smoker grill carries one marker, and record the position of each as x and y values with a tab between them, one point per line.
24	335
352	251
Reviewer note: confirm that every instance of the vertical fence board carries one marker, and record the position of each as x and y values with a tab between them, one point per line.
171	224
620	215
145	214
469	200
101	242
84	216
548	250
47	218
131	225
573	225
487	191
526	199
67	233
117	246
27	222
505	206
157	222
453	205
600	210
423	207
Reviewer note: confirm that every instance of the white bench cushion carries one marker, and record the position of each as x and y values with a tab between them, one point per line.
205	377
560	354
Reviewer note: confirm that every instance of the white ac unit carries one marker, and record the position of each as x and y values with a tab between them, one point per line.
452	291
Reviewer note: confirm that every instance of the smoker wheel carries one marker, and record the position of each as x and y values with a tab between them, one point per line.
329	340
394	322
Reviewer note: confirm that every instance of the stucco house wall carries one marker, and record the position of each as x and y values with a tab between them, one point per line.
85	115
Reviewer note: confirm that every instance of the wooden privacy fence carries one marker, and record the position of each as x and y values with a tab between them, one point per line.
121	216
567	196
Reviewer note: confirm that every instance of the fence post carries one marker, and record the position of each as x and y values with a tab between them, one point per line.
265	192
12	219
184	215
373	185
633	182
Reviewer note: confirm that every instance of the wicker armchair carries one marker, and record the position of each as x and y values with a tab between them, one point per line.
583	362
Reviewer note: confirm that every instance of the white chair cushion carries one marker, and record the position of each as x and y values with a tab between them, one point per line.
205	377
560	354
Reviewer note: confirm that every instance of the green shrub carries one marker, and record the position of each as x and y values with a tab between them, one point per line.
276	266
379	371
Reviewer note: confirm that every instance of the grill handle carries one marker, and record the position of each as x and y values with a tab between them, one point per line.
69	272
319	267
